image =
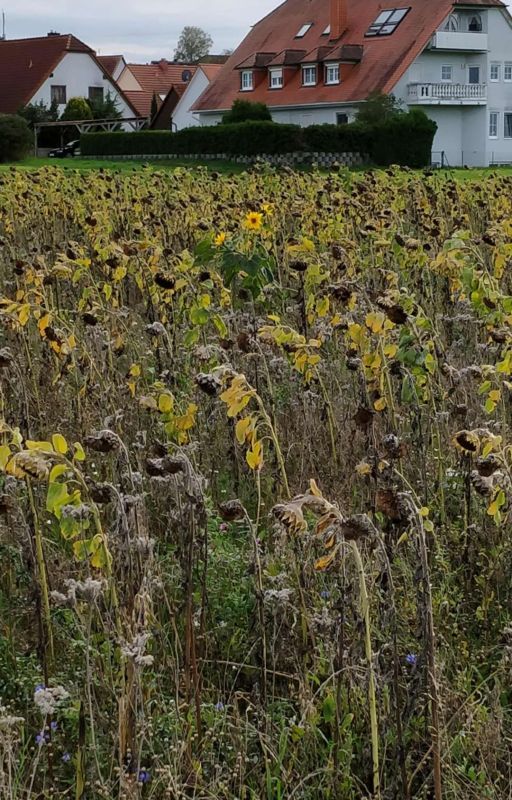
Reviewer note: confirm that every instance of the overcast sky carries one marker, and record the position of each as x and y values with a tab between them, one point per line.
142	31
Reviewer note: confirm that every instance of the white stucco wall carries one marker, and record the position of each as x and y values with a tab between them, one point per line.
77	72
128	82
463	132
182	116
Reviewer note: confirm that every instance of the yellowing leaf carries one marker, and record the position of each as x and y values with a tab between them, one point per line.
322	307
390	350
375	321
47	447
24	314
424	512
79	452
380	404
44	323
325	562
242	428
56	472
135	371
165	403
5	454
254	456
59	443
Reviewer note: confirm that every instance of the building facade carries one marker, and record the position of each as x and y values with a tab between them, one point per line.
317	62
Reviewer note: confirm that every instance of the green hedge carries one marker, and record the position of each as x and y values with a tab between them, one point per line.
244	139
16	140
404	139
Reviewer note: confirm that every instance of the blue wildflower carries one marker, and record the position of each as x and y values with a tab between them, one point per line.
40	687
219	706
66	758
144	776
411	659
54	725
325	594
42	738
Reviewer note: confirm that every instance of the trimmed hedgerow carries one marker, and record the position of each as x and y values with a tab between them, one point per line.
404	139
245	138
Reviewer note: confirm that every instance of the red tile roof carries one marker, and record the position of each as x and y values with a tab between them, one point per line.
110	63
141	102
211	70
160	76
384	61
25	64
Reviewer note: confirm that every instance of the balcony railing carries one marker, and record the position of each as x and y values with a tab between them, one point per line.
448	93
460	40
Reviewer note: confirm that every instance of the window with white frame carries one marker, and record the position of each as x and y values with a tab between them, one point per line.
507	117
447	73
493	124
332	73
507	72
276	78
495	72
309	76
246	80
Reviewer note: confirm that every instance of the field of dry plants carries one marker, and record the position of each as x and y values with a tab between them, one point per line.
255	486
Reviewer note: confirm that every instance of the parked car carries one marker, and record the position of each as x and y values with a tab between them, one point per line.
70	150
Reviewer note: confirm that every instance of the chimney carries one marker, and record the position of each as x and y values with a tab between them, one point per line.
339	21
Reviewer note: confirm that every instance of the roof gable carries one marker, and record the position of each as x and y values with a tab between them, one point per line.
25	64
384	59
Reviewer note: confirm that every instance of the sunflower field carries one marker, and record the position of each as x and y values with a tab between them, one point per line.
255	485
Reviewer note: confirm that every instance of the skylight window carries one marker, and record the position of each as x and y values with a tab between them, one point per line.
305	28
387	22
327	31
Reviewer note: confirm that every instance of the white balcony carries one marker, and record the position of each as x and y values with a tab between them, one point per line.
447	94
467	41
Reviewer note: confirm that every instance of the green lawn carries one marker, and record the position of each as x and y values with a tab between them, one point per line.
84	165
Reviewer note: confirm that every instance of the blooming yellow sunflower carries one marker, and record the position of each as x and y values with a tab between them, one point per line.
253	221
220	239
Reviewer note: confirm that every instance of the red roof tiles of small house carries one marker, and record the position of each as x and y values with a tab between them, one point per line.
110	63
141	101
25	64
161	75
384	59
211	70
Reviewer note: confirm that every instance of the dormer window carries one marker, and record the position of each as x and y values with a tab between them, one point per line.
475	24
309	75
332	74
275	78
327	31
387	22
305	28
246	80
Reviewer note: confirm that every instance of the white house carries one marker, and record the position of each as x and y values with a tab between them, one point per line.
316	61
53	68
183	116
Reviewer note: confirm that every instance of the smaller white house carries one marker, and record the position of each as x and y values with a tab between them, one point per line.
54	69
183	116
